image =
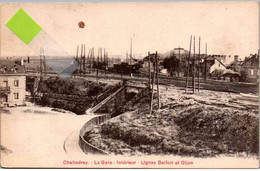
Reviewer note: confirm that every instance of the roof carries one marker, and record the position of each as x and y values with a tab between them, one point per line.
255	56
221	63
11	67
212	61
152	57
229	72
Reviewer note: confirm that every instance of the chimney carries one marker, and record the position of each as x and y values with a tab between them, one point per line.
21	61
236	58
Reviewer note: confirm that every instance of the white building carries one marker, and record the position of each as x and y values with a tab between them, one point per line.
217	66
12	83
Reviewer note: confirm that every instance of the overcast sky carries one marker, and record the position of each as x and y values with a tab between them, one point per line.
229	28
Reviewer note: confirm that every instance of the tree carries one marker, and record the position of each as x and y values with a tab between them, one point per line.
217	74
244	76
171	64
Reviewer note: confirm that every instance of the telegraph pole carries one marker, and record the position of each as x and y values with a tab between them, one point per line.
93	60
151	105
105	65
80	59
157	74
84	59
77	53
89	61
40	63
193	75
97	64
107	57
149	69
199	68
101	55
188	67
131	58
44	63
179	62
205	70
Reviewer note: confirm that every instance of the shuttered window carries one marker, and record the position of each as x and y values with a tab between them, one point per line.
16	83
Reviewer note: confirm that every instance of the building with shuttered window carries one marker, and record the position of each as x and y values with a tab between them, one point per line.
12	83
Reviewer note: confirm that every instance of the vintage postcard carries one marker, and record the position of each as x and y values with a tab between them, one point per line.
129	85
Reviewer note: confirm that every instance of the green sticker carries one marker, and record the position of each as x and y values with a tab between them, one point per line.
23	26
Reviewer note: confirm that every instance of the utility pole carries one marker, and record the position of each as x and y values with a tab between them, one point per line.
40	63
193	75
101	55
89	61
77	53
104	54
157	74
179	67
105	63
97	64
44	63
77	56
205	69
188	67
93	60
153	78
84	59
80	59
199	68
98	56
121	72
107	59
131	58
149	69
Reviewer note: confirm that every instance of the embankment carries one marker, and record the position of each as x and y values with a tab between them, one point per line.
206	124
75	95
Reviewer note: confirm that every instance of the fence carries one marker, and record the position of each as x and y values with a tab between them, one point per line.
84	145
89	148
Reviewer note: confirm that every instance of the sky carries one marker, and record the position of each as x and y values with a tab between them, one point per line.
228	28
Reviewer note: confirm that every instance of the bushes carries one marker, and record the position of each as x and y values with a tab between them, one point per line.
71	86
244	76
221	130
242	134
197	130
72	95
131	135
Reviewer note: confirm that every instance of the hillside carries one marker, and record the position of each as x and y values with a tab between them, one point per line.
206	124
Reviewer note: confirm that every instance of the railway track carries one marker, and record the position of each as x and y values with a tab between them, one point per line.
215	85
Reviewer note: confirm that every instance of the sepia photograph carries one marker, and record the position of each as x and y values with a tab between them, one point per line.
129	84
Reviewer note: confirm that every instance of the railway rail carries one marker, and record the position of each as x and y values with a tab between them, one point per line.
142	78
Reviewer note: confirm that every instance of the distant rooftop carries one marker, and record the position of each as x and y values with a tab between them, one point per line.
11	67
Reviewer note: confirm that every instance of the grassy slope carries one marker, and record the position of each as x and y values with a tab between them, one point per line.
184	126
84	93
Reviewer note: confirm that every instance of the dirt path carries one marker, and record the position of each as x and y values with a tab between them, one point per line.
36	135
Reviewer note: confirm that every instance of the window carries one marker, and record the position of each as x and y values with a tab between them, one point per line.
16	95
252	72
16	83
5	98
